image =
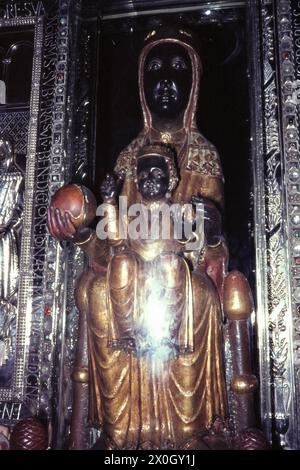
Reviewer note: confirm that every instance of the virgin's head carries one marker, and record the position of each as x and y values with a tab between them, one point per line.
169	77
167	80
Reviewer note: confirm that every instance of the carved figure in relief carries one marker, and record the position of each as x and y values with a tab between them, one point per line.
11	207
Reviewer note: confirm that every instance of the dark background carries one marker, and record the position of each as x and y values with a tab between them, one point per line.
16	56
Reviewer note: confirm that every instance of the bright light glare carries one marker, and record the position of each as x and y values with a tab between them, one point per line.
154	326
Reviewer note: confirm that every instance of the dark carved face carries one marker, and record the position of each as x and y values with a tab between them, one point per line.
153	178
167	80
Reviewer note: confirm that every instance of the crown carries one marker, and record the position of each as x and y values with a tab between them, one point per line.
165	31
157	149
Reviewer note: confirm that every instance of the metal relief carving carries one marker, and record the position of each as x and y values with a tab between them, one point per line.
10	412
35	358
84	87
10	10
293	177
11	204
26	288
16	390
53	284
42	293
288	50
83	111
278	292
15	125
40	328
277	289
79	145
278	403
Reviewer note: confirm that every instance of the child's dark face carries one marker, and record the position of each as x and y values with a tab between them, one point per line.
153	179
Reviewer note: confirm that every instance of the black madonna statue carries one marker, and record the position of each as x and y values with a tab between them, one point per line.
141	400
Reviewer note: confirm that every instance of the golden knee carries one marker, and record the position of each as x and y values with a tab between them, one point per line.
122	270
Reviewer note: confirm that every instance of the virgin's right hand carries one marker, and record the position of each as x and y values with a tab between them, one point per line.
60	224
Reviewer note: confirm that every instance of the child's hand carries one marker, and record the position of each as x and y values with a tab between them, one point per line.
108	188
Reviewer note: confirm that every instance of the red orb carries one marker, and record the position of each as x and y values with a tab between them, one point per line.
78	201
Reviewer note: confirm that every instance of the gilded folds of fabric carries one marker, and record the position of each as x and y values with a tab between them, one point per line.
147	400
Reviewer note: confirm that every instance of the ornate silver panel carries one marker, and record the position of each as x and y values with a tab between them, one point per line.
52	287
42	283
288	48
24	290
80	144
276	163
16	124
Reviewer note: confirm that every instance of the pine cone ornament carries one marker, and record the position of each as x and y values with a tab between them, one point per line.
252	439
29	434
4	443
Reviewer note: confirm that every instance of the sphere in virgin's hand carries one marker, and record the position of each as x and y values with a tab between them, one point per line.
78	201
